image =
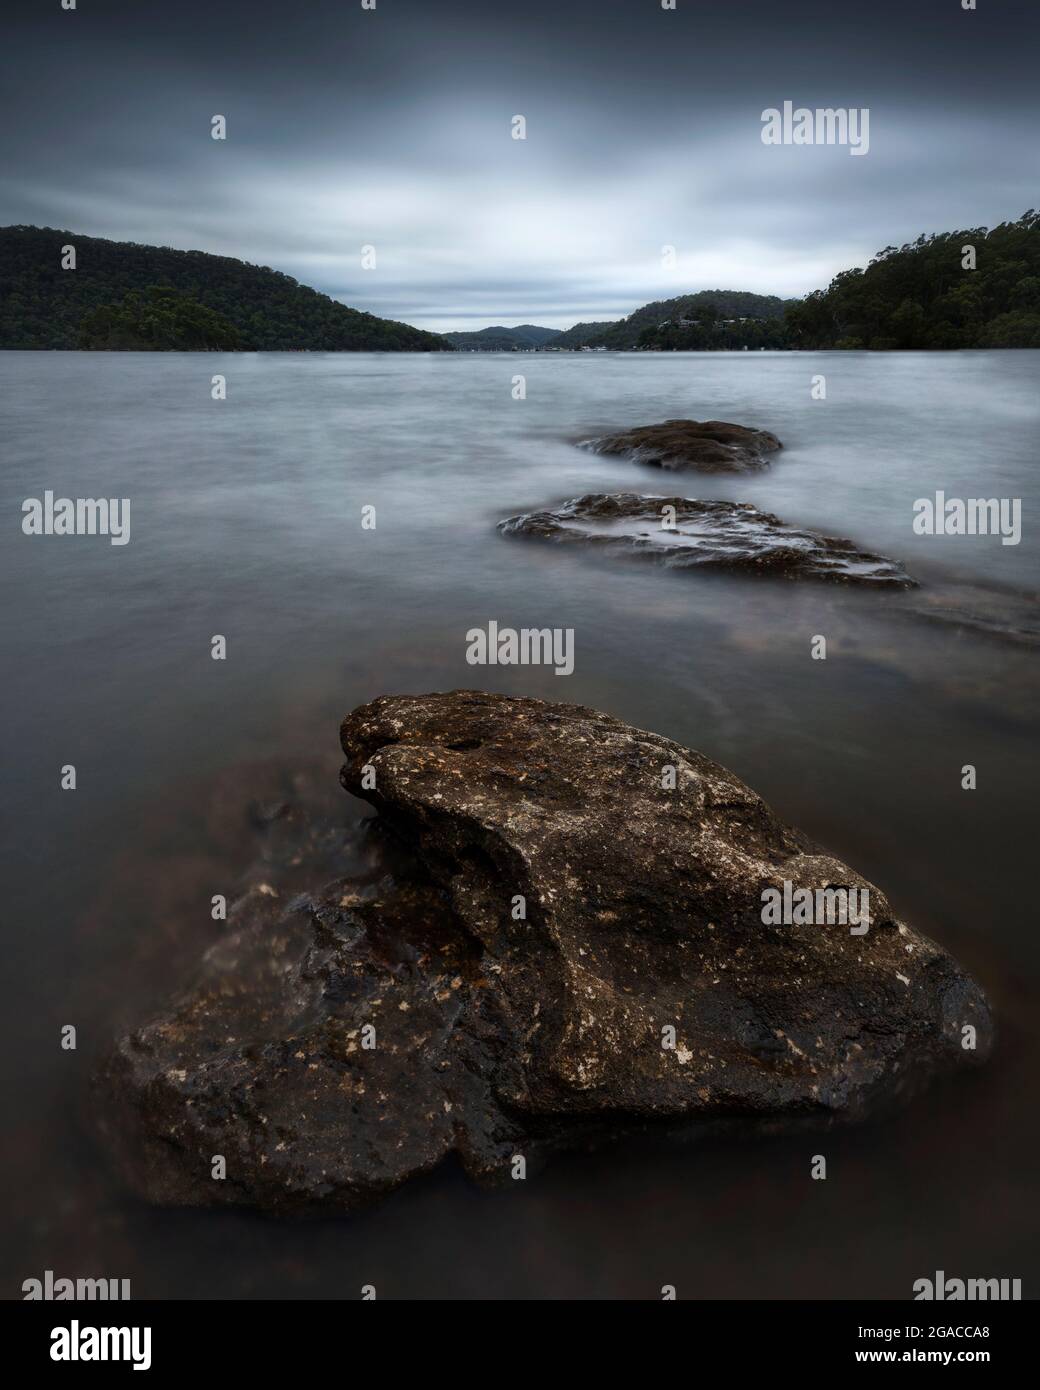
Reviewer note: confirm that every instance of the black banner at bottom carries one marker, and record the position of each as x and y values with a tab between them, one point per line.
178	1339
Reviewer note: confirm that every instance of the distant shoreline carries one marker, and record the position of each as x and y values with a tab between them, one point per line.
975	289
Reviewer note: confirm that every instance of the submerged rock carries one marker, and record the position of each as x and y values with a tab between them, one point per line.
722	535
710	446
577	948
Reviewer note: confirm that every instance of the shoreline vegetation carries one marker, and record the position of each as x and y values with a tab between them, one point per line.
976	288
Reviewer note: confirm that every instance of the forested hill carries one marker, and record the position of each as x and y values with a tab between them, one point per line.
43	306
498	339
709	318
582	334
926	295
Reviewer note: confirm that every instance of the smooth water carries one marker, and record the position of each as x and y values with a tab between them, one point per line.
245	521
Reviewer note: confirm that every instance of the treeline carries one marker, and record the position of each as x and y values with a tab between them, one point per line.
43	306
926	295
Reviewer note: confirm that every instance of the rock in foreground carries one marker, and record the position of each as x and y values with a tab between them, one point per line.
709	446
566	908
719	535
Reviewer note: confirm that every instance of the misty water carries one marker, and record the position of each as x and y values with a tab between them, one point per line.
245	521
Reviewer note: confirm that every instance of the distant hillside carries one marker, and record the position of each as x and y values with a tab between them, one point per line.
923	296
582	334
43	306
707	319
502	339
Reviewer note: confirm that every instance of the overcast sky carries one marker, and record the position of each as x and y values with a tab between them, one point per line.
392	128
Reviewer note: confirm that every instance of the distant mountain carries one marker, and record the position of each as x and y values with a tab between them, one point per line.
213	299
978	288
582	334
707	319
502	339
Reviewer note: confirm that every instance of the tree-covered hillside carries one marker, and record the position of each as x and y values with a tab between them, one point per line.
706	330
582	334
688	315
161	320
924	295
43	306
498	339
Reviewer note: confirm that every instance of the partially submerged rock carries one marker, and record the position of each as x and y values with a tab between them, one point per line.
684	533
579	947
709	446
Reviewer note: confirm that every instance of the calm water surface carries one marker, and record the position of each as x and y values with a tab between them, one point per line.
245	521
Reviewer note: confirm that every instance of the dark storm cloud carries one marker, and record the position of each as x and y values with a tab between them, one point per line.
392	128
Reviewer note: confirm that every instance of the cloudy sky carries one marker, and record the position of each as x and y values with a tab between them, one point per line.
392	128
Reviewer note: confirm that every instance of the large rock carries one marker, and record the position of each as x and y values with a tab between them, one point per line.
573	889
712	534
709	446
